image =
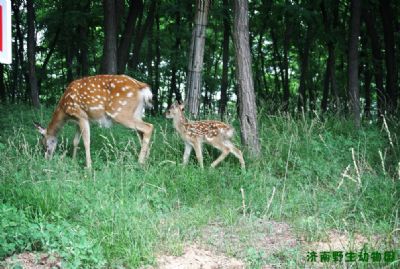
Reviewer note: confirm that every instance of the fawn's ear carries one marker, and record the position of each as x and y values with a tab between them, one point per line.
180	105
40	129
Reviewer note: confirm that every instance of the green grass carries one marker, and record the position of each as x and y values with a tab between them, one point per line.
131	212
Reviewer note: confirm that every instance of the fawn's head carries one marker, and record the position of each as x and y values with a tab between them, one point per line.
174	110
49	142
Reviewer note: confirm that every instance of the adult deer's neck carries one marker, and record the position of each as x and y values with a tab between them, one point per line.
57	122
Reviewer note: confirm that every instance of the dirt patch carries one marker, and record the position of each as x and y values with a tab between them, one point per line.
31	260
247	244
340	241
261	236
194	257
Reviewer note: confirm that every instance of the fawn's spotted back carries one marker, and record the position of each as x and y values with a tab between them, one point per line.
207	128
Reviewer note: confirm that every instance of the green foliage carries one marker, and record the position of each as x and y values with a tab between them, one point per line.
15	231
72	243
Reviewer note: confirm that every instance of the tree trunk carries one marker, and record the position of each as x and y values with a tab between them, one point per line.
196	57
20	65
156	86
330	87
263	74
31	54
141	33
150	57
367	90
311	96
135	7
390	57
376	60
325	93
68	60
225	61
286	90
174	60
109	63
247	107
83	33
275	64
304	52
353	61
17	62
52	46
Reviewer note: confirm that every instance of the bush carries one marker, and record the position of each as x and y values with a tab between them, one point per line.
19	233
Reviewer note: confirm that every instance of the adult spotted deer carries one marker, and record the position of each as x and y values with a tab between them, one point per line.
195	133
102	99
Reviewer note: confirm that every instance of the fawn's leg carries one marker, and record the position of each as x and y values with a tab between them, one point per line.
238	154
199	154
226	147
85	131
224	151
186	154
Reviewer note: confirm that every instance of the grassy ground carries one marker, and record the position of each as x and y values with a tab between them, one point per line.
316	175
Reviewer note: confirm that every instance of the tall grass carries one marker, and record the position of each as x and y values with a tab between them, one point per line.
314	174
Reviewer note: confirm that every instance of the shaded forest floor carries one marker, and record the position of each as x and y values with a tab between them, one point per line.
319	186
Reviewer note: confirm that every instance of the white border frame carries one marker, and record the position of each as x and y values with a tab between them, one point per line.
6	54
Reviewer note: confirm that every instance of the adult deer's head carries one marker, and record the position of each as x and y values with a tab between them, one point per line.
49	142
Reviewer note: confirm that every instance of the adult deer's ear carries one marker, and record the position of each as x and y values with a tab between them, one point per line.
40	129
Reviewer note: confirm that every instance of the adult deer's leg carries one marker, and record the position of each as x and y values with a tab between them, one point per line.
85	131
186	154
147	130
143	128
76	140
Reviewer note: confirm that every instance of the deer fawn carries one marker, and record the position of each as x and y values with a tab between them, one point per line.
194	133
103	99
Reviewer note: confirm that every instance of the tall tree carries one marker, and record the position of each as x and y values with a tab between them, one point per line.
156	86
109	63
17	48
304	52
377	59
330	21
225	60
140	35
285	63
31	47
354	33
196	57
83	33
174	61
135	8
390	57
244	76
